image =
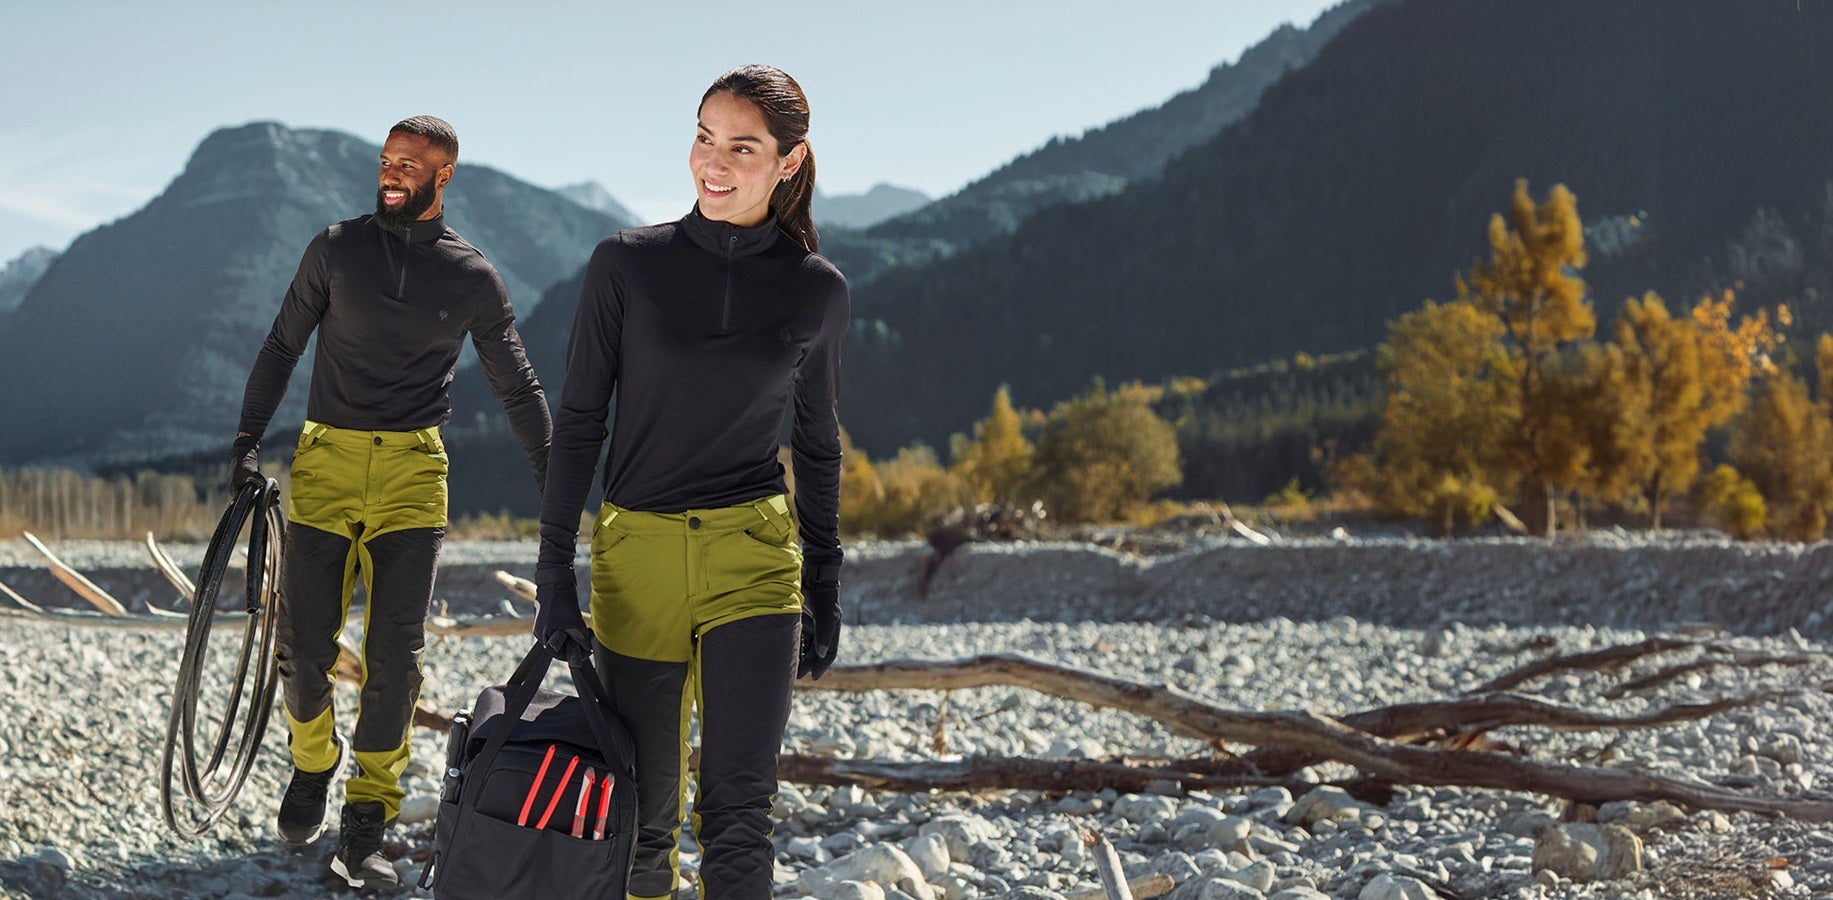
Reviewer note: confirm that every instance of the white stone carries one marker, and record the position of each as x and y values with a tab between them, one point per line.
1258	876
959	832
418	808
1326	803
1215	888
1587	852
1388	886
884	864
851	890
1229	831
930	853
1144	809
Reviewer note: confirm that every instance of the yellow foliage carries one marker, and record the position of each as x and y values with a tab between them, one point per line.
1784	445
895	497
995	467
1734	501
1437	451
1102	454
1529	284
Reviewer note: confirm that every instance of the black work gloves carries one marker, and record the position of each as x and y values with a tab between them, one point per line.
558	623
244	461
820	620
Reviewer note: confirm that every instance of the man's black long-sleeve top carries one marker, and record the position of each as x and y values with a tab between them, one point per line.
392	308
707	332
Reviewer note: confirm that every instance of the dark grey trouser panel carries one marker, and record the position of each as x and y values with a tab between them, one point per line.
746	670
647	695
321	571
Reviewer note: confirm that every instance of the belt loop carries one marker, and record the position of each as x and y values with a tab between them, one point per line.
774	509
313	431
429	438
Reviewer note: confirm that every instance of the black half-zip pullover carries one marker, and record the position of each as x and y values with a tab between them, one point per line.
392	308
708	333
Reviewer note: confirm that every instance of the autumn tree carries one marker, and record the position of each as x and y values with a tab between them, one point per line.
1784	445
1529	284
1446	414
995	467
1104	453
1684	377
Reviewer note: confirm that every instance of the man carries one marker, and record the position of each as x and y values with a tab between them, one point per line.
392	297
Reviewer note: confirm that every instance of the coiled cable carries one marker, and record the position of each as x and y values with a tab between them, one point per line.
213	785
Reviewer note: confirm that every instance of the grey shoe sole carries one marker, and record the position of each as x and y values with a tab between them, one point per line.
299	840
364	883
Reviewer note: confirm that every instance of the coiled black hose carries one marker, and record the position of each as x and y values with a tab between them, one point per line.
211	787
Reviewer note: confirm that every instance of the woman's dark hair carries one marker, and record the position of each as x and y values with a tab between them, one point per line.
785	110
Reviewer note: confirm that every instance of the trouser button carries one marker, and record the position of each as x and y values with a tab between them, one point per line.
693	521
378	440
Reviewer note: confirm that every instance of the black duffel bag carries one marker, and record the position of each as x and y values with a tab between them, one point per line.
519	815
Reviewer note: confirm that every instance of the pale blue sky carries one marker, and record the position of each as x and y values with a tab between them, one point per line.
105	99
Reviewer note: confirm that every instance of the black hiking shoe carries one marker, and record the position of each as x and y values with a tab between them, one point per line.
359	858
302	808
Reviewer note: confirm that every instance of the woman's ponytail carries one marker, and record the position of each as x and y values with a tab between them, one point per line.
792	201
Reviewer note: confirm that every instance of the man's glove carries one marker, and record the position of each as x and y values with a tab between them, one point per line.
244	461
558	623
820	620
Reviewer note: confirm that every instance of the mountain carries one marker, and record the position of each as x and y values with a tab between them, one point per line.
18	276
592	195
135	346
1098	163
865	210
1356	188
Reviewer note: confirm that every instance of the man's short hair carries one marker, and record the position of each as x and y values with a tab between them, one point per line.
437	132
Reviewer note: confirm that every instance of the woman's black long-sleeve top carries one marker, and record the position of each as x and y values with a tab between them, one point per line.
706	332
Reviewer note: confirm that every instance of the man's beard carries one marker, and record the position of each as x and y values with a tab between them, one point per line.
419	200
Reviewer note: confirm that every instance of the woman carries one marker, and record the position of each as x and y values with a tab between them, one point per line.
706	328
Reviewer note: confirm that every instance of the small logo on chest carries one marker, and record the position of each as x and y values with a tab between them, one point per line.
442	315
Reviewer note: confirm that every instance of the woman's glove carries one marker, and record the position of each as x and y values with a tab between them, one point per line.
558	623
820	620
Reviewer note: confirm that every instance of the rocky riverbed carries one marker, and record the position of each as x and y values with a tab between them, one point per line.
1330	625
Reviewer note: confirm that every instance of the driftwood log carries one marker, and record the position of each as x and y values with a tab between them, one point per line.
1435	743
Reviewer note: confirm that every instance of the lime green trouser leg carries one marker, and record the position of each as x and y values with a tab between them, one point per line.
368	504
699	609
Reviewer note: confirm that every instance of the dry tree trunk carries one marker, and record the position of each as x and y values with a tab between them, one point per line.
1319	738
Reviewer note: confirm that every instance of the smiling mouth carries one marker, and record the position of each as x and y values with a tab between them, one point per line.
717	189
394	198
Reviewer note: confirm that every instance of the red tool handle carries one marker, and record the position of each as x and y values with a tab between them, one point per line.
558	790
529	802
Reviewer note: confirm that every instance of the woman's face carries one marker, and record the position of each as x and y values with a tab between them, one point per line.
735	161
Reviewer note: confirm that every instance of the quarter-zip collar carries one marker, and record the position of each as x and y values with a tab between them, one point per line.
424	231
727	239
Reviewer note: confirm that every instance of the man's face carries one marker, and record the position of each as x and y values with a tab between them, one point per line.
411	183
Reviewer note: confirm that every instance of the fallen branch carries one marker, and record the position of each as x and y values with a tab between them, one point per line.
1107	863
14	596
82	586
1150	886
163	562
1319	737
522	588
1596	659
980	773
1742	660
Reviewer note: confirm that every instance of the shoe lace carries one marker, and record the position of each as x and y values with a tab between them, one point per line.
307	787
363	835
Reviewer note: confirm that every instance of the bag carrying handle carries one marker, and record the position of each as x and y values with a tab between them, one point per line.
525	681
